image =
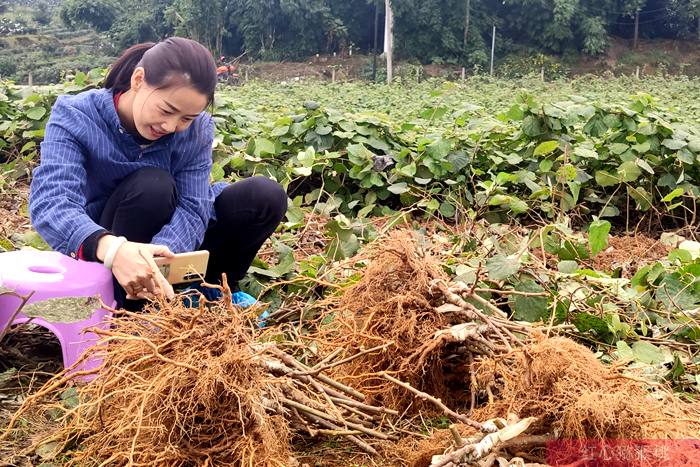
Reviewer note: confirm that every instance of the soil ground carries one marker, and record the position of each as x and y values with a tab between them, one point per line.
14	217
662	55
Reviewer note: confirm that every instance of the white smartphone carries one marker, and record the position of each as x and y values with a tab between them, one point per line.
184	267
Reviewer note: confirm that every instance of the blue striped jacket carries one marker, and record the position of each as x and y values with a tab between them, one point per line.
86	152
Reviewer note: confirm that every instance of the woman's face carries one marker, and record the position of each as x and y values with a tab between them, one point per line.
158	112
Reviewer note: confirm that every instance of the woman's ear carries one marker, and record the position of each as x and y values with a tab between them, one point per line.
138	78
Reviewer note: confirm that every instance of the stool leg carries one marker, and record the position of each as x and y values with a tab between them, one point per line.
74	344
8	308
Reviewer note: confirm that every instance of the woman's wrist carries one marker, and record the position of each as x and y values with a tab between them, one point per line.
88	250
112	250
103	245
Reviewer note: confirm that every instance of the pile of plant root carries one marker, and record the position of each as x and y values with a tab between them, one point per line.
389	308
182	386
575	396
176	387
428	329
555	389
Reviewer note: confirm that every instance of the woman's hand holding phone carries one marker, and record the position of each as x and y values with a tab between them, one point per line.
135	269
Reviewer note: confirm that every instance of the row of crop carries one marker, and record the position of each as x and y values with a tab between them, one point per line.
575	157
23	117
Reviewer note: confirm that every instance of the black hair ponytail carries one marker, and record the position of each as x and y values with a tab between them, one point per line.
175	60
119	76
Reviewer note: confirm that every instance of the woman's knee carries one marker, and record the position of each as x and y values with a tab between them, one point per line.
152	189
260	197
274	196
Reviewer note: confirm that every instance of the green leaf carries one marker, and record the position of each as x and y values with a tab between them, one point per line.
303	171
598	233
531	126
624	351
263	146
677	369
515	113
586	322
285	263
36	113
433	205
398	188
217	172
459	160
440	149
568	266
586	153
618	148
673	144
609	211
641	196
323	130
546	148
344	243
681	255
642	148
546	165
645	165
49	451
604	179
408	170
675	294
596	126
28	146
280	131
295	216
629	171
69	398
694	144
501	267
647	352
447	209
673	195
518	206
358	154
647	129
529	308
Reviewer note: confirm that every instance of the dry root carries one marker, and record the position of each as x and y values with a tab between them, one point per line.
177	387
576	397
391	304
193	387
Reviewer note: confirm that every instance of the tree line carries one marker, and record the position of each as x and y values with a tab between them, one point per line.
447	31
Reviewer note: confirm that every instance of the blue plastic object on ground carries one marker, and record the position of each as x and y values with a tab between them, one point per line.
238	298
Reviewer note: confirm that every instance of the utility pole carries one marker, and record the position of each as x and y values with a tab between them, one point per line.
376	38
493	46
636	29
389	42
466	23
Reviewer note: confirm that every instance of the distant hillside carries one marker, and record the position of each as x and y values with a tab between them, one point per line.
33	40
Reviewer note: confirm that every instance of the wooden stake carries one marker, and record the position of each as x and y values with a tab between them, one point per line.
493	46
389	42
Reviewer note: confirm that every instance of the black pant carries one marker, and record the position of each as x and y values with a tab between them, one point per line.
247	213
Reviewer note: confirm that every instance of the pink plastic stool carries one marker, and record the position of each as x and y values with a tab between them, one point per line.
50	275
